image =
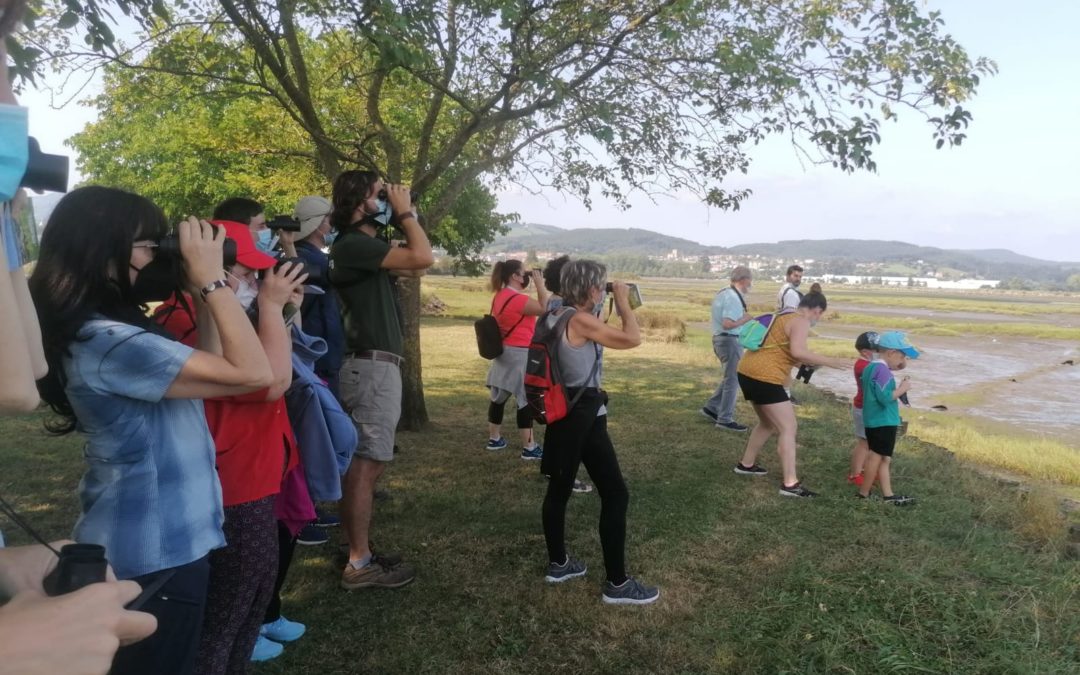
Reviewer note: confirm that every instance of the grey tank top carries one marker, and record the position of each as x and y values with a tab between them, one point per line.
576	363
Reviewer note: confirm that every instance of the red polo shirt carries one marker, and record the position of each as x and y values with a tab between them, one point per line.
253	438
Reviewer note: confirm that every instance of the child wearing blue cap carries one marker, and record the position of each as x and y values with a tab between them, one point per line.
881	412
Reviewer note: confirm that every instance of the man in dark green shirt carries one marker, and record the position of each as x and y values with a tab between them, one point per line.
370	378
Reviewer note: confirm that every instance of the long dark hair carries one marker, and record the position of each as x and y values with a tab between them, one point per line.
351	189
82	270
501	273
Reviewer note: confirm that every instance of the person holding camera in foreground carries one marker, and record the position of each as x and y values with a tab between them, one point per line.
150	494
582	438
762	374
516	314
370	378
79	632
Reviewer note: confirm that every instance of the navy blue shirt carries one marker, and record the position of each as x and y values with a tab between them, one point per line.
321	314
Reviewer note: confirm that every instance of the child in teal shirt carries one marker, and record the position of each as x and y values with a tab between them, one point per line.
881	412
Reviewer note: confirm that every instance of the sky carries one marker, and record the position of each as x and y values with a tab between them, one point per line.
1013	184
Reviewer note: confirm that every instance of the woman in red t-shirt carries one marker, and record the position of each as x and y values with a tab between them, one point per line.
516	313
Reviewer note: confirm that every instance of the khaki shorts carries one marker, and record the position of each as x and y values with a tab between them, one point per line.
371	394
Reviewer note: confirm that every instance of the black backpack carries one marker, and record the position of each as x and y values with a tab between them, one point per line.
489	338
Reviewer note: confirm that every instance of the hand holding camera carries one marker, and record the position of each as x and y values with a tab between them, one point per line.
201	245
624	292
280	283
400	198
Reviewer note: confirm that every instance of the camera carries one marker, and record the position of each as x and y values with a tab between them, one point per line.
79	565
315	277
634	296
284	223
169	245
44	171
413	196
805	373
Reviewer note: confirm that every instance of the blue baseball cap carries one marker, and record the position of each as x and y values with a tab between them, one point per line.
894	339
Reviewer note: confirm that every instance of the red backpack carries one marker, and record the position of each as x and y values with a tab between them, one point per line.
545	391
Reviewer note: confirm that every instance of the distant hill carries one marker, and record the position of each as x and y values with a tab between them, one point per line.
601	241
832	255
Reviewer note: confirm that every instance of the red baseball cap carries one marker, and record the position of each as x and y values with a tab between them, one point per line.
246	252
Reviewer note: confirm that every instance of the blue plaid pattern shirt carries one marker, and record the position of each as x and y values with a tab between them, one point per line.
150	494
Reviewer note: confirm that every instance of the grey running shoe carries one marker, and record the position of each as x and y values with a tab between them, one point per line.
754	470
796	490
571	569
582	487
377	575
630	592
900	500
732	426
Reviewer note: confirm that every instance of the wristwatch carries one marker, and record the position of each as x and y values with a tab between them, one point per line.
212	286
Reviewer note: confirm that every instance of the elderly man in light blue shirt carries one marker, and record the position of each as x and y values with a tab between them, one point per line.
728	317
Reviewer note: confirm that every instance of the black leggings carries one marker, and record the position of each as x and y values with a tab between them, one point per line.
581	438
286	546
495	415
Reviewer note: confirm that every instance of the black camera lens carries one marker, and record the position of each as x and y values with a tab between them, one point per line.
44	171
169	245
383	195
610	287
284	223
314	278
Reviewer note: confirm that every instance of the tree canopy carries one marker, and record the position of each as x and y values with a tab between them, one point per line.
588	98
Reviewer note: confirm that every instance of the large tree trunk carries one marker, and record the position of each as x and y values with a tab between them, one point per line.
414	414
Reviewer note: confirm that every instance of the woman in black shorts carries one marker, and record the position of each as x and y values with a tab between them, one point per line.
762	374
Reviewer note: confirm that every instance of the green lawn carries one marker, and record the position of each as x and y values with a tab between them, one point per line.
970	580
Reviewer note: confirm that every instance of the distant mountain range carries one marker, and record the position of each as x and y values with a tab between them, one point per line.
836	254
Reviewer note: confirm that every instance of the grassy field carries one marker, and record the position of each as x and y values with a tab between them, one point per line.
970	580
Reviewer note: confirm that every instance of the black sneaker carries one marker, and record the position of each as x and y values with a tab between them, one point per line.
709	414
571	569
900	500
750	470
630	592
796	490
732	426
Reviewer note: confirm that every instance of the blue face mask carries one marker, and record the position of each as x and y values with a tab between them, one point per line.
330	237
266	241
385	212
13	149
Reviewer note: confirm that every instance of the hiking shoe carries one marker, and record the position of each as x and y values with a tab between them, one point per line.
312	535
900	500
709	414
855	480
282	630
532	454
266	649
732	426
796	490
571	569
630	592
496	443
581	487
376	574
754	470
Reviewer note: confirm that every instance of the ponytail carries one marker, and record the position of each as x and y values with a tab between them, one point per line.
501	273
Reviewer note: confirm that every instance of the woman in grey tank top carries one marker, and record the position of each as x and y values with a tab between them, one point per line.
581	437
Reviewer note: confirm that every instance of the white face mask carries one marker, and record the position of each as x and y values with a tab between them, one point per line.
246	292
